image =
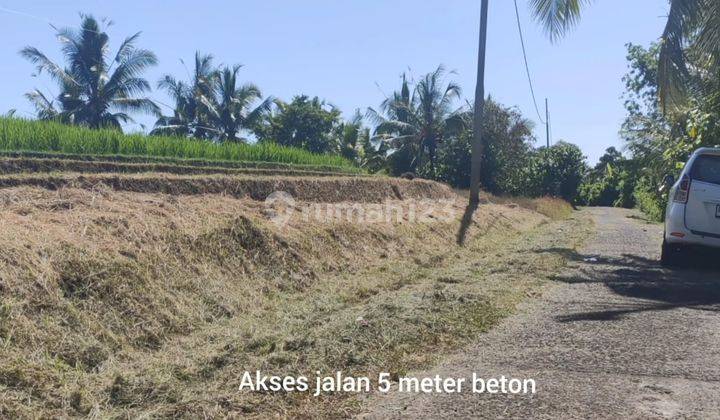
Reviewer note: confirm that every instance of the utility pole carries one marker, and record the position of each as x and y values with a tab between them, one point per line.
477	145
547	123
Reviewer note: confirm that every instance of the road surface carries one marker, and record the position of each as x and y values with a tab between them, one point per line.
618	338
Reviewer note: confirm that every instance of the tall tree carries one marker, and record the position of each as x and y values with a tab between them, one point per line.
353	137
191	116
692	33
660	141
508	136
231	107
96	90
415	121
213	105
308	123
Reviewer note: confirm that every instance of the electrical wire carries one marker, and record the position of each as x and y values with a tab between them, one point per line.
39	18
527	67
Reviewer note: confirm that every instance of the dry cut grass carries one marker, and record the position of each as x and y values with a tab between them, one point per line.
124	304
330	189
552	207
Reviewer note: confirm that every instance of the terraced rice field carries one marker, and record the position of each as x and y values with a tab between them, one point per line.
137	285
253	180
49	137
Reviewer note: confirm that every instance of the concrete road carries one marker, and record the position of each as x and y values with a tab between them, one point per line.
619	337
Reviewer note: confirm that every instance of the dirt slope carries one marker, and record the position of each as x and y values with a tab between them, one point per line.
324	189
128	295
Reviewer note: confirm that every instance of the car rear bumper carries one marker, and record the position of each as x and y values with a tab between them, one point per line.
677	233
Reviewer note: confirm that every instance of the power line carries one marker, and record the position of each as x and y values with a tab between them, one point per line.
40	18
527	67
20	13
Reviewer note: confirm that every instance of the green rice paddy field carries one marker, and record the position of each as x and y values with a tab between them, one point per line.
18	135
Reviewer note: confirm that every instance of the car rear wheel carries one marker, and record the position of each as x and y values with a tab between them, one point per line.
671	255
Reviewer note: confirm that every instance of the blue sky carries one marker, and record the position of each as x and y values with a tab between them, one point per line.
352	52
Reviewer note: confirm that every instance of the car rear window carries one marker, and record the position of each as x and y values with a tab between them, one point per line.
706	169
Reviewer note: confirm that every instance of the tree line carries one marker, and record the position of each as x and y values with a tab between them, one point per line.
671	101
424	128
659	136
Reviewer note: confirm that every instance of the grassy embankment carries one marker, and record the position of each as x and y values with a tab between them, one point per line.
39	136
128	304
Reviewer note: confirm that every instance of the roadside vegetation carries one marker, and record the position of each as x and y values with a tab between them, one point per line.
659	137
120	304
419	131
672	98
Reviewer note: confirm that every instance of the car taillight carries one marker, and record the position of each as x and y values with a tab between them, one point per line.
683	191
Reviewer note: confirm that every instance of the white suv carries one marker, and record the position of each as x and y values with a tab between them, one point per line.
693	212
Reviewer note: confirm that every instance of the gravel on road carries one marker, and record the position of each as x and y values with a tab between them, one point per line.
617	337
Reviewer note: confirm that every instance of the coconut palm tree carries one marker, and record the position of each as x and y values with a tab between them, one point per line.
416	121
212	105
45	107
96	90
231	107
352	136
193	99
692	34
179	124
396	133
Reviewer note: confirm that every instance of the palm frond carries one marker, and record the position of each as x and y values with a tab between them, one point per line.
672	69
394	126
43	63
134	63
260	111
126	48
115	120
557	16
247	93
124	80
145	105
176	89
374	117
44	107
707	42
691	35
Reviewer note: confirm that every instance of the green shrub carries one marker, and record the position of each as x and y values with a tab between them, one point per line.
557	171
453	161
625	190
649	201
615	188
